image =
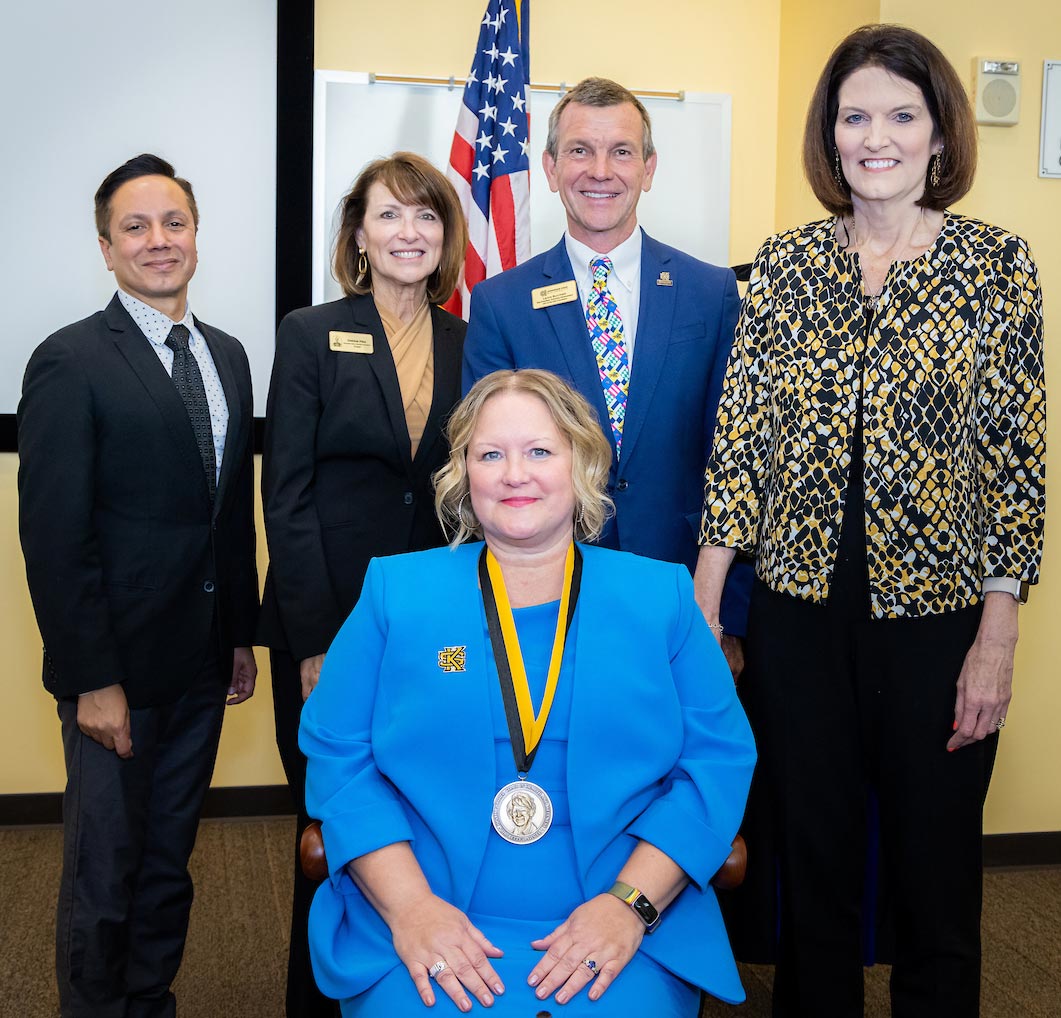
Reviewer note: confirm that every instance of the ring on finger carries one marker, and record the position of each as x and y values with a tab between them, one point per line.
591	965
1001	722
437	969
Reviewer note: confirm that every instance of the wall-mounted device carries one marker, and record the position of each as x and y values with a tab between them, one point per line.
1050	137
997	89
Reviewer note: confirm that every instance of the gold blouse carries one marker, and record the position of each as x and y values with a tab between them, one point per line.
414	360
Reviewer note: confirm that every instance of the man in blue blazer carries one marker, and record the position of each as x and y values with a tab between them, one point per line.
667	321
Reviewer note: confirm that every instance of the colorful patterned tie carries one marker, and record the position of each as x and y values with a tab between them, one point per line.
606	335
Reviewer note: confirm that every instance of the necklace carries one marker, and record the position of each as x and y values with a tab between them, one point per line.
875	299
522	810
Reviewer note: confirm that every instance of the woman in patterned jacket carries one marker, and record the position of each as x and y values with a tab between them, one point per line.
880	449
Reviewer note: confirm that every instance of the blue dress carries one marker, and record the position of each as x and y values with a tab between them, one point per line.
523	892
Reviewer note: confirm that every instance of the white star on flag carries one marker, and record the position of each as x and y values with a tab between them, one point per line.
489	163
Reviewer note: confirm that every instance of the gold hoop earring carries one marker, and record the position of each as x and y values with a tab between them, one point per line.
838	173
362	264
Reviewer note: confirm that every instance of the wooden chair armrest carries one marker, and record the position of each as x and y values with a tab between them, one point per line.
311	852
731	873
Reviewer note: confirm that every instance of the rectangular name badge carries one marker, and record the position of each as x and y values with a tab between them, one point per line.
550	296
350	342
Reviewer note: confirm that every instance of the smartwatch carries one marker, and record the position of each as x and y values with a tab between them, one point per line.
643	908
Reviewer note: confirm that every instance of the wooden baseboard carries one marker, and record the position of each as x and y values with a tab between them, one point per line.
237	801
1038	848
1035	848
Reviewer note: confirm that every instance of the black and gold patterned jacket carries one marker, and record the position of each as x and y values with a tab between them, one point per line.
954	418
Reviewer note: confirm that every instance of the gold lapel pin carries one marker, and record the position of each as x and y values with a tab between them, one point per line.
664	279
451	659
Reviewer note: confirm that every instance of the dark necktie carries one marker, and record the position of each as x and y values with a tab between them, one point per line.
189	382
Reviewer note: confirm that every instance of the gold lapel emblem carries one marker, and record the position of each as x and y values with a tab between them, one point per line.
664	279
350	342
451	659
557	293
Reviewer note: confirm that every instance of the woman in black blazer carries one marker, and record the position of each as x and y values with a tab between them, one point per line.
360	391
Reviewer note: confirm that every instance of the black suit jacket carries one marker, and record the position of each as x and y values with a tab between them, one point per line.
127	561
339	485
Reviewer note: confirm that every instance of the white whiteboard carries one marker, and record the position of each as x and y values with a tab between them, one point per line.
356	121
87	85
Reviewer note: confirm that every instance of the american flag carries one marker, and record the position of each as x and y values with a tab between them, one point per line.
488	163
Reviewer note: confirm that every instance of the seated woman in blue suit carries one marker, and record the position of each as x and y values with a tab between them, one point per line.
526	753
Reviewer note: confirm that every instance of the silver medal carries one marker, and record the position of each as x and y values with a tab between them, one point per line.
522	812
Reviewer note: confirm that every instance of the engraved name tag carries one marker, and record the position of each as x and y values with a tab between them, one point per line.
558	293
350	342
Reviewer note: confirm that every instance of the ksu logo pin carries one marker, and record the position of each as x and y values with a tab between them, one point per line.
664	279
451	659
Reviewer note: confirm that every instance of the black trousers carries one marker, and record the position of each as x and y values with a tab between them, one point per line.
304	1000
129	827
841	703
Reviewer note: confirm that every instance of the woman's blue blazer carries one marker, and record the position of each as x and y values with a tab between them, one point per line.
401	748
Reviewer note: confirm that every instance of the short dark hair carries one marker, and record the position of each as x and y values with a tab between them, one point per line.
143	165
598	92
413	181
908	55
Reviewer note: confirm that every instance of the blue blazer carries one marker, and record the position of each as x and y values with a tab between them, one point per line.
400	750
687	317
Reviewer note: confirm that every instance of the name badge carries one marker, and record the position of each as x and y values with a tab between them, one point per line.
550	296
350	342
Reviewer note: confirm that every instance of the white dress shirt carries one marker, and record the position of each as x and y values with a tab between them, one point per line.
156	327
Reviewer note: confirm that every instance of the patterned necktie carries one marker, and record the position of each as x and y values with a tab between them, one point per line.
189	382
606	335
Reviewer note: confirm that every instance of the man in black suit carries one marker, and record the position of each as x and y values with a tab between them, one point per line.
136	519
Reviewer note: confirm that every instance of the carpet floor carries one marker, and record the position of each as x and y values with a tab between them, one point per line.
236	958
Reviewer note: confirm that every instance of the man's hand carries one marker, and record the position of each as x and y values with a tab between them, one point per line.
310	672
103	715
244	672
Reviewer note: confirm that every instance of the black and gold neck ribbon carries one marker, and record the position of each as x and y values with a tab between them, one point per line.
525	728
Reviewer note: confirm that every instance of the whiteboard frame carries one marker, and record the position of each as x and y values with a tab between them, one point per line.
716	240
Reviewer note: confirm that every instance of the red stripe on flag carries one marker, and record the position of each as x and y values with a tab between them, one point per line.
503	220
474	268
462	157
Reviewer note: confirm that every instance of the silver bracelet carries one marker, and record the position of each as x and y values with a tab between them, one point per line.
716	627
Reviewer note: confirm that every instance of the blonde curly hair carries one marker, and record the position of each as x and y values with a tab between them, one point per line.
591	455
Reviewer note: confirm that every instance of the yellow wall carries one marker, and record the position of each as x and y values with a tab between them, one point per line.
810	29
1026	792
766	54
31	753
1024	795
695	45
